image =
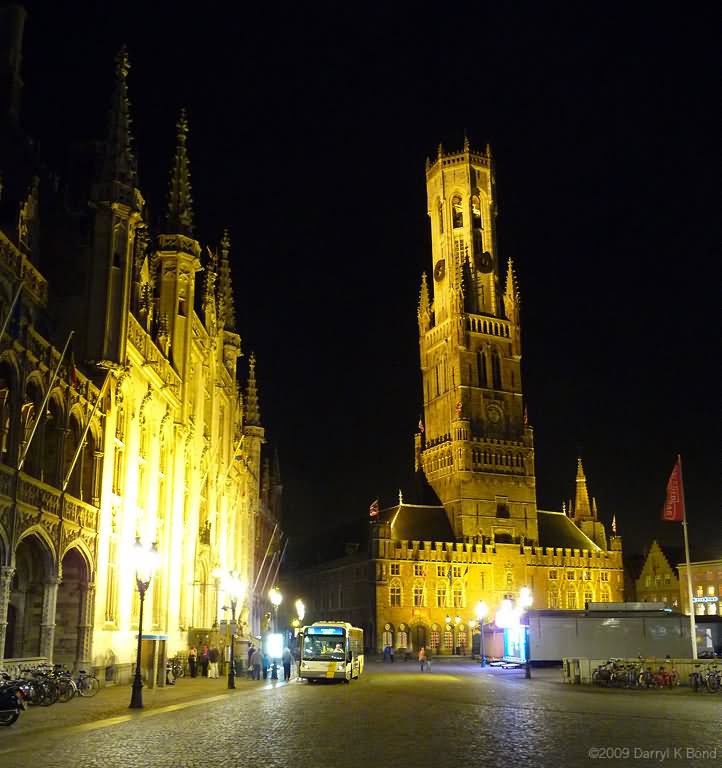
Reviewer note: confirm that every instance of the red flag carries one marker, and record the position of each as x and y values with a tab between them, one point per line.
674	502
421	426
374	508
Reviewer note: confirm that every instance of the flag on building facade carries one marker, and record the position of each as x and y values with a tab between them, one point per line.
421	426
673	510
374	508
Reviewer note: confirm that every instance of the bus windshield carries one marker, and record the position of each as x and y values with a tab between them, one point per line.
323	647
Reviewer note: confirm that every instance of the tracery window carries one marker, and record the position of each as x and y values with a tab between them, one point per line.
457	212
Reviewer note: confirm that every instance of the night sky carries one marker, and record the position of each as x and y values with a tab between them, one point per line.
309	128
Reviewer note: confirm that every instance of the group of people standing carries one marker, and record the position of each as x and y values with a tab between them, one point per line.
259	663
207	660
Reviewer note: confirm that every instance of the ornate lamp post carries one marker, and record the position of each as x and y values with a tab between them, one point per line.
276	598
235	590
481	612
146	561
525	601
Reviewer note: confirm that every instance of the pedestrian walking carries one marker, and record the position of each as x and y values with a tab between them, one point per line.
204	660
422	658
193	661
255	663
387	653
391	654
286	660
266	662
213	657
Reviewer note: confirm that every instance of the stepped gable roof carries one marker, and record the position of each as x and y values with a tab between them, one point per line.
557	530
675	555
417	522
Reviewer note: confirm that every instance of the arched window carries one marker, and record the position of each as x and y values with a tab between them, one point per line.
457	212
418	593
481	366
495	370
476	212
441	594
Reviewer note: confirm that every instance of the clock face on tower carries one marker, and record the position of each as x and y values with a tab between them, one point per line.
493	413
484	261
439	270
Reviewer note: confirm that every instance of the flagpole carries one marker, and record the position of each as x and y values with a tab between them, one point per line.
12	308
692	625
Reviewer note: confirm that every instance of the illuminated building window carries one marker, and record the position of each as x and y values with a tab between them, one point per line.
604	576
476	212
699	609
710	590
588	597
457	212
586	576
418	596
441	596
571	600
675	602
419	570
457	572
571	575
605	596
458	597
553	574
395	569
509	579
448	639
395	594
553	600
435	639
441	570
700	591
657	579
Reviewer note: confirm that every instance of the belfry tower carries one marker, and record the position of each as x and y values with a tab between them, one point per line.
474	445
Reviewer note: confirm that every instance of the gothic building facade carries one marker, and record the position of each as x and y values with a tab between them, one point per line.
426	567
123	415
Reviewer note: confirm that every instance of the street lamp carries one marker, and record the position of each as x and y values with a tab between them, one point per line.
146	561
525	601
276	598
457	647
481	612
235	589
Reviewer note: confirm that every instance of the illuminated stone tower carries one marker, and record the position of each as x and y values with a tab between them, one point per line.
476	448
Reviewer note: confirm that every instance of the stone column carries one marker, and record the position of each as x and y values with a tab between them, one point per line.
47	621
6	581
85	627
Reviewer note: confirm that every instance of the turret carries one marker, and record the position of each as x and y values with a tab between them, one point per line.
118	206
179	255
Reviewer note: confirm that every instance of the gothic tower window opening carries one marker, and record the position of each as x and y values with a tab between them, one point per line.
457	212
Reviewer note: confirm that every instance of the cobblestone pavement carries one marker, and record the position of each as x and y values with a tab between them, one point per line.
395	715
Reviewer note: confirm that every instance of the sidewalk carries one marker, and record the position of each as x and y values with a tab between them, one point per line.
113	701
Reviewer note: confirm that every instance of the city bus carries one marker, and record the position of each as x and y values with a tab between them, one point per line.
331	650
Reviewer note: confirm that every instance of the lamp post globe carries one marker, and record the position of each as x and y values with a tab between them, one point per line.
481	612
146	562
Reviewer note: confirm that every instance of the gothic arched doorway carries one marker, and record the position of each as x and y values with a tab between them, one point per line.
34	574
71	609
418	636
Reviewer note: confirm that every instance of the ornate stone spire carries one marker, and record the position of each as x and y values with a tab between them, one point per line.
581	501
511	294
226	308
119	161
179	216
424	310
253	411
614	525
